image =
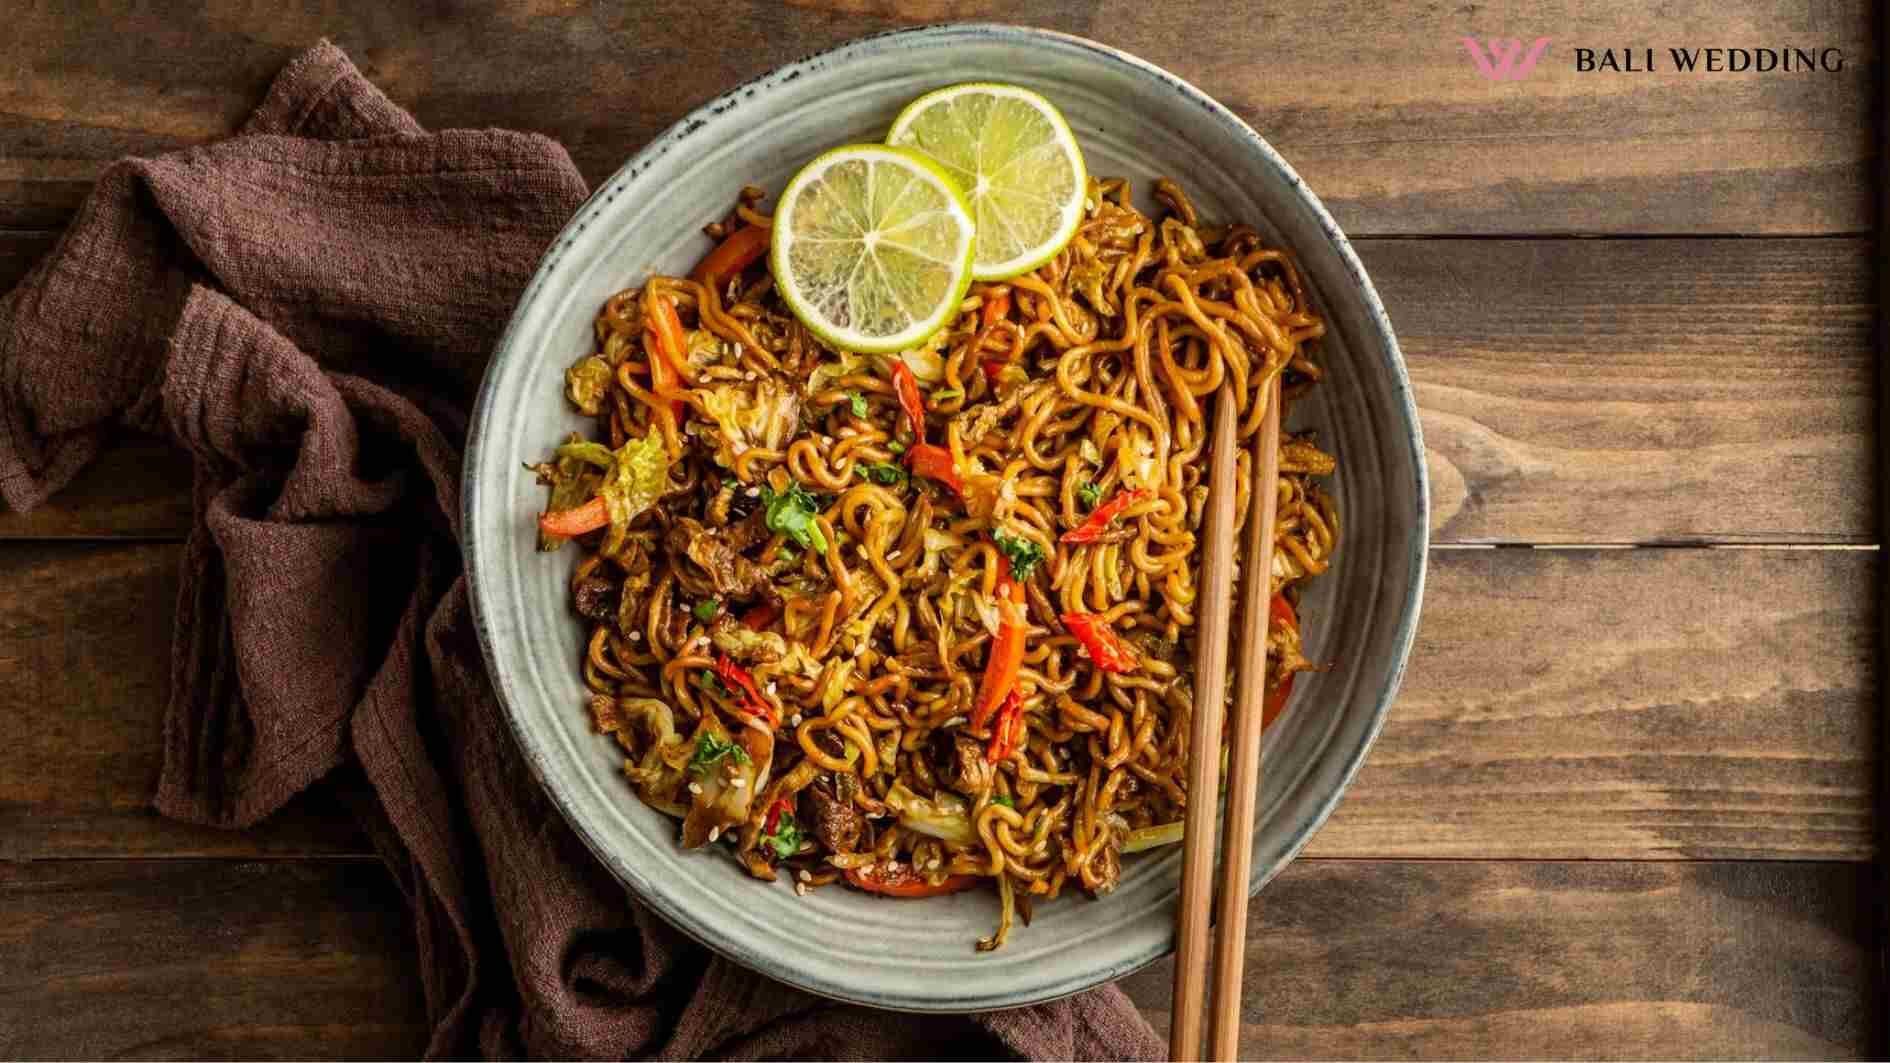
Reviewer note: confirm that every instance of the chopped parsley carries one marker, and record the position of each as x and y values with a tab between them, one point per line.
1005	800
857	402
1090	493
710	749
1021	552
792	514
895	446
708	680
785	554
705	610
943	394
879	472
785	840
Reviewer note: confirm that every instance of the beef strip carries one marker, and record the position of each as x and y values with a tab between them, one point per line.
595	598
711	562
837	823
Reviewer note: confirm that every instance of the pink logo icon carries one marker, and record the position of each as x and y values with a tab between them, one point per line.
1506	60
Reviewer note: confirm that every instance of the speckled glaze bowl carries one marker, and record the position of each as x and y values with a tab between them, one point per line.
1133	119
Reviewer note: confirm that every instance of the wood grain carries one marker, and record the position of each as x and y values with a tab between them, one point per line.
206	959
1518	960
85	649
1379	106
1641	702
1634	391
1588	391
1629	704
1364	959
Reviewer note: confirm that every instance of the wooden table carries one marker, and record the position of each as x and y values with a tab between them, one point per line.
1623	806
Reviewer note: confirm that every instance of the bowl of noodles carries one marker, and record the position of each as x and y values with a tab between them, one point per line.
747	642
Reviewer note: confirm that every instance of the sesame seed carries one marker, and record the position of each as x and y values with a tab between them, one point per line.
795	719
771	685
800	888
714	833
636	636
805	876
738	782
695	787
754	492
894	556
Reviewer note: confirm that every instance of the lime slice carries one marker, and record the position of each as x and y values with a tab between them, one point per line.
1018	162
872	247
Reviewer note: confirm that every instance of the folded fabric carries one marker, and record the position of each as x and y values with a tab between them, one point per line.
307	307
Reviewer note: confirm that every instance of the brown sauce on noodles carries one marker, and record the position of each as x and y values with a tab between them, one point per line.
856	756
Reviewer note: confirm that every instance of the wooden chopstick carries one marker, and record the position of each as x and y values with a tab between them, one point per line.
1214	605
1243	739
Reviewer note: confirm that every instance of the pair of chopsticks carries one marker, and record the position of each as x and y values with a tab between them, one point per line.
1204	762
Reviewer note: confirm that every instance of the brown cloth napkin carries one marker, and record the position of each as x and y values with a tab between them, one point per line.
307	307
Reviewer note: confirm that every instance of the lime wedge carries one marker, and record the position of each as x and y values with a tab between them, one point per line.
1016	159
872	247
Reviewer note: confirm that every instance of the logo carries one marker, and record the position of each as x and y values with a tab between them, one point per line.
1506	61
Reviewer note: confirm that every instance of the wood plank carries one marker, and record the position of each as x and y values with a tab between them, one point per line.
1638	700
1505	960
85	649
1350	959
1631	391
206	959
1629	703
1591	391
1389	120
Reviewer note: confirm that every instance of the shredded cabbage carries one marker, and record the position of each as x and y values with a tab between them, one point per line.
587	382
638	474
763	413
944	817
573	482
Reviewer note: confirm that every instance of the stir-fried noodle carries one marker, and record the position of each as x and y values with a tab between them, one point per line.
917	661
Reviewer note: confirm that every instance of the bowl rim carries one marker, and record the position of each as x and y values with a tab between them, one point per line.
1392	362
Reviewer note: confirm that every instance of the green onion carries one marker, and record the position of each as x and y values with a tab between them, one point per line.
786	839
1021	552
879	472
792	514
711	748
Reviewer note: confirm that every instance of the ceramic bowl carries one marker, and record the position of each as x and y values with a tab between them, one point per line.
1135	120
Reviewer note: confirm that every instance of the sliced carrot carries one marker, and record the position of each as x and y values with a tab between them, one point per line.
590	516
907	387
902	881
1006	658
761	616
994	310
1004	732
663	335
1106	649
737	251
1100	518
933	461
